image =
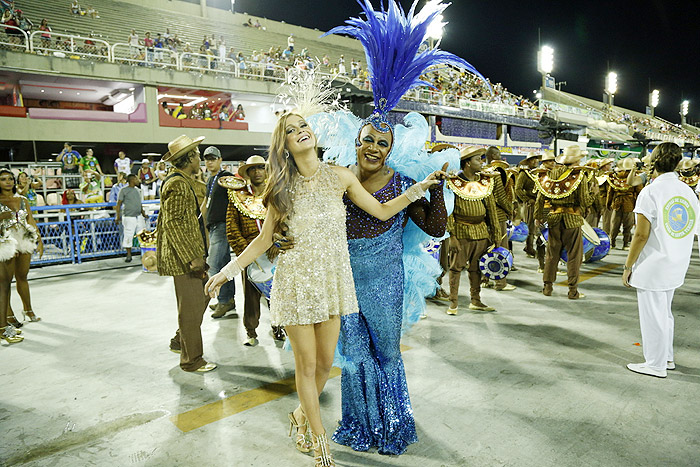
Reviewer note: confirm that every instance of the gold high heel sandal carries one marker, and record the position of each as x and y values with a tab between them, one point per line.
10	335
301	441
31	316
322	453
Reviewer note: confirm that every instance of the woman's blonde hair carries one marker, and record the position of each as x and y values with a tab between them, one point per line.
281	172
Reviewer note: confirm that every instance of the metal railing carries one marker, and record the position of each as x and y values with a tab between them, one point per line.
70	46
140	55
75	232
16	38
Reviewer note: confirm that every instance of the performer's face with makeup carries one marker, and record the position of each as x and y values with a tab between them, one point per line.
373	147
299	137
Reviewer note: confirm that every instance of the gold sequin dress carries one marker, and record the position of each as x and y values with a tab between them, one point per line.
313	281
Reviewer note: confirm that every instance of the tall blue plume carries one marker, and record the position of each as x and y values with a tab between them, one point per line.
391	40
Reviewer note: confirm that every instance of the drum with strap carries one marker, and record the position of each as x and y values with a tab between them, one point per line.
590	241
600	251
496	264
260	273
518	233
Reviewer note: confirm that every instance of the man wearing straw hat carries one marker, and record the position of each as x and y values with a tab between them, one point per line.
526	195
182	248
565	187
473	226
547	164
621	199
244	218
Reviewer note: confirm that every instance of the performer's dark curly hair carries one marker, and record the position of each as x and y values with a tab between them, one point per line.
666	157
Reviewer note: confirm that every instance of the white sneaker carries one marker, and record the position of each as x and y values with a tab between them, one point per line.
642	368
670	365
452	311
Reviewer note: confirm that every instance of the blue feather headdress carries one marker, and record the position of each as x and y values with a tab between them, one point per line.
392	40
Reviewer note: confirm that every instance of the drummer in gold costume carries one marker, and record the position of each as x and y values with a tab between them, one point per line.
547	164
473	226
503	195
621	199
244	217
599	214
526	194
689	172
565	187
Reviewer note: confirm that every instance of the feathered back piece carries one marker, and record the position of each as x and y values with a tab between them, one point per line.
309	93
391	40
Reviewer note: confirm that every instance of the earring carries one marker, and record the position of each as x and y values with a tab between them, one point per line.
286	154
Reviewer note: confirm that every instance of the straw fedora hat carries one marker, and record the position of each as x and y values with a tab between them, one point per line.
531	155
687	164
181	146
149	261
471	151
603	162
570	155
626	164
251	161
441	147
548	156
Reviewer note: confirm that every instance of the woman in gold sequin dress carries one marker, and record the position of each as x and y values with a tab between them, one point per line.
313	283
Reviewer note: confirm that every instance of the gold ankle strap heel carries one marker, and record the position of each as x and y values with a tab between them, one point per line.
323	457
302	441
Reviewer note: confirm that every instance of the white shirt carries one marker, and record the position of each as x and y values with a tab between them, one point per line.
134	40
123	165
674	212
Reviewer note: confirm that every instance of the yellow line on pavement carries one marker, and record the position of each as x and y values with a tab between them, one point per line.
592	273
215	411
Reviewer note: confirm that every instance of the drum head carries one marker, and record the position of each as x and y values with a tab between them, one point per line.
589	233
261	270
496	263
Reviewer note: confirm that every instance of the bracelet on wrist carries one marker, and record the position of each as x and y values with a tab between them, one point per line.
627	268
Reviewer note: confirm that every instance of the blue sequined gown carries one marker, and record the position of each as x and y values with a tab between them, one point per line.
375	403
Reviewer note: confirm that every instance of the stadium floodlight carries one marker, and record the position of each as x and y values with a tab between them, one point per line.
684	108
545	60
435	29
611	83
654	98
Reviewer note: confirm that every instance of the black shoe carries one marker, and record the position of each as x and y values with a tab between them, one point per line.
278	333
128	259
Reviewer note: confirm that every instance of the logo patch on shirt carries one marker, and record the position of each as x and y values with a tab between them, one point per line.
679	217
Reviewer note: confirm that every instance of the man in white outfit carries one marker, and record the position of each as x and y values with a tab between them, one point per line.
667	213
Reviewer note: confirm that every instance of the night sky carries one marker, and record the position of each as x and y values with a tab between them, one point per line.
642	40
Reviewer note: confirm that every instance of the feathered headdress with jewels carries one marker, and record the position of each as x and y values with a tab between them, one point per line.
309	93
392	40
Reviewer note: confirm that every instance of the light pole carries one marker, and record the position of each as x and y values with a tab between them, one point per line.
684	111
545	63
653	101
435	31
611	87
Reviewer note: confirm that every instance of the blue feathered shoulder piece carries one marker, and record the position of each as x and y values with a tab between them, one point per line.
392	40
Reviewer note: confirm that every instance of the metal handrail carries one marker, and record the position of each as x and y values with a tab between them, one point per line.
145	60
72	48
24	33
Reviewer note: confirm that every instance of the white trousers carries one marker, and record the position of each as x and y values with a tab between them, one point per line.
656	323
131	226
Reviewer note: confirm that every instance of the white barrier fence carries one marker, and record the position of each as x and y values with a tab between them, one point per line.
15	38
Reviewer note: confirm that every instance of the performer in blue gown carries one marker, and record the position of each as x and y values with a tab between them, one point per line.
392	274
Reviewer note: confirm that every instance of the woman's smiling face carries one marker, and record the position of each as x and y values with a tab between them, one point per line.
299	135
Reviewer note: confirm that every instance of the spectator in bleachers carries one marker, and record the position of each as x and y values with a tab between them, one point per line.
354	68
148	180
6	5
132	217
90	47
13	35
158	47
75	7
134	44
123	164
114	192
92	12
91	188
186	55
341	66
222	48
24	23
69	197
257	25
161	173
90	162
46	34
178	113
326	61
148	43
239	114
27	186
290	43
206	43
69	159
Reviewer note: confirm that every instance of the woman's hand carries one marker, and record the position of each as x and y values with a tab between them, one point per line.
282	243
434	178
214	284
626	274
